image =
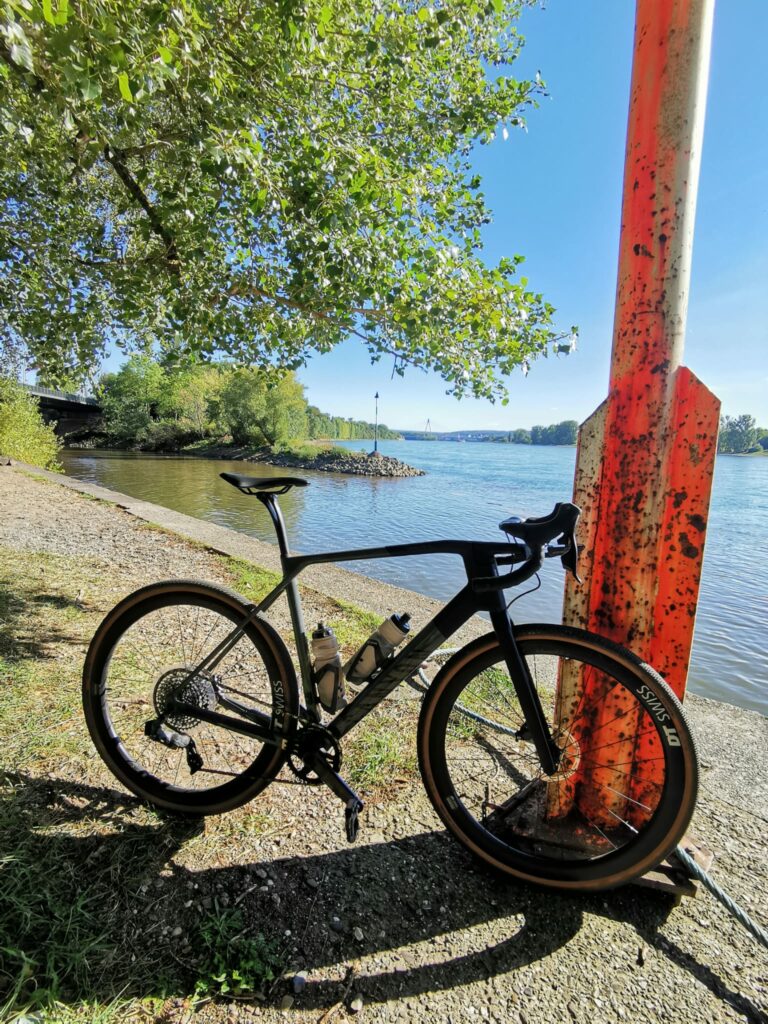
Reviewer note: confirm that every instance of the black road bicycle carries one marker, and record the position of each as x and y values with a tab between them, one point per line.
551	753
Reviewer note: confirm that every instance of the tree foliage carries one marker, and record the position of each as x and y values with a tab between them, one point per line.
737	434
149	405
260	181
23	434
558	433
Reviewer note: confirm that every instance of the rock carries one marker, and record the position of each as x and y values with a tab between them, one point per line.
358	933
286	1002
336	924
337	461
357	1004
299	982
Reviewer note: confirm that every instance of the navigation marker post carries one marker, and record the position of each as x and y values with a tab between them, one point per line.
646	455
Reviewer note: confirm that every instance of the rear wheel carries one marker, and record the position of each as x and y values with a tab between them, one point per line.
140	661
626	785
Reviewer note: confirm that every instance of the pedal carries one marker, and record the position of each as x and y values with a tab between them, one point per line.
352	819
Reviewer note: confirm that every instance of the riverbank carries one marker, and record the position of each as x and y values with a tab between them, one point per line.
121	901
312	455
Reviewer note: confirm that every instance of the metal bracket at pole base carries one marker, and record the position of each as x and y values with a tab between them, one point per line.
672	877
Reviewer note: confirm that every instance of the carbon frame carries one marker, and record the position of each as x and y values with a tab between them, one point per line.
480	562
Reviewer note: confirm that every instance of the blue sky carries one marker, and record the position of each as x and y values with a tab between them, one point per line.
556	196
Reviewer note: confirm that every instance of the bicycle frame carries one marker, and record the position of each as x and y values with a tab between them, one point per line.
480	561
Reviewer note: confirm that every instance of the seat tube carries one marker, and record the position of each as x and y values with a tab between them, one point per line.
294	604
547	750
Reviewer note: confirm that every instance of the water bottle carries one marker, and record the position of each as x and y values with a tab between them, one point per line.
329	678
379	646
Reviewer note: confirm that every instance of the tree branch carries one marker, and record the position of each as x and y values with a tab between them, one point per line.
113	157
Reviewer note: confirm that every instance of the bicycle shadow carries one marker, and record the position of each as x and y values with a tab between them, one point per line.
408	916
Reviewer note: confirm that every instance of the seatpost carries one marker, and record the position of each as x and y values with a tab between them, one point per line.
270	501
294	605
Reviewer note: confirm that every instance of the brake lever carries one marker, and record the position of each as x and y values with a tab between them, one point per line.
570	559
569	555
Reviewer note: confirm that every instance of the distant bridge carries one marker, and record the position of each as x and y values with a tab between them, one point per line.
67	409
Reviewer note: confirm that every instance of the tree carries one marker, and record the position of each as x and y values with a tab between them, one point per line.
261	181
256	409
130	399
737	434
23	434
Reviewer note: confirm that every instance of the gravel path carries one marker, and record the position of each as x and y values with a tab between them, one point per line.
404	926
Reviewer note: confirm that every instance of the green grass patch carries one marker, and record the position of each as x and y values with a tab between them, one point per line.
352	625
381	751
234	961
252	581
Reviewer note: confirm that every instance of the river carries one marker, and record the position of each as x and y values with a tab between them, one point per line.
468	489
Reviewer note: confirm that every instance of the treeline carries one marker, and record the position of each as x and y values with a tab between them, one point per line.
557	433
741	434
156	407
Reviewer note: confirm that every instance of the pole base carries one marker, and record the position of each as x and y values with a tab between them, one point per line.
670	876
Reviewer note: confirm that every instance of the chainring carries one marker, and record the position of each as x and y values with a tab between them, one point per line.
314	741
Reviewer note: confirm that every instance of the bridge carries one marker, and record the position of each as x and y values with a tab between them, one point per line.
66	409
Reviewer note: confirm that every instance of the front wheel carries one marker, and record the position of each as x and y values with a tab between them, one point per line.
141	660
626	785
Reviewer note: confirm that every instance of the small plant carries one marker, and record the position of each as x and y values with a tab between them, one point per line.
234	962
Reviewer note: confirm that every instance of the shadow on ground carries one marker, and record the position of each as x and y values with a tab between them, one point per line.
92	895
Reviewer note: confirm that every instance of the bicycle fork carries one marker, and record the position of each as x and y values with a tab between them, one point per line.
536	725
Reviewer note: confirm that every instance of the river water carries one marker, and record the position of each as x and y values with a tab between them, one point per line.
468	489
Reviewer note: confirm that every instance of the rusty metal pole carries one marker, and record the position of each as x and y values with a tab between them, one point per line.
646	455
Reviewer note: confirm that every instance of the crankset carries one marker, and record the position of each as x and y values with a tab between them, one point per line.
313	742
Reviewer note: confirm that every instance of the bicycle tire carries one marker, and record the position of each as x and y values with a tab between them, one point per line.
559	831
141	653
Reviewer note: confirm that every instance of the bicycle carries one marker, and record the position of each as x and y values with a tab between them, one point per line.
551	753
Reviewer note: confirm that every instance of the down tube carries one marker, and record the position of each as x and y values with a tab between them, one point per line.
461	608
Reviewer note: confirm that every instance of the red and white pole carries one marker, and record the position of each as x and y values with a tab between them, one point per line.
646	455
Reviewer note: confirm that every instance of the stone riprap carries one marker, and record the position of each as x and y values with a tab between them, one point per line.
335	461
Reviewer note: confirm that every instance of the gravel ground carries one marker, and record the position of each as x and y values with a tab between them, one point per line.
404	926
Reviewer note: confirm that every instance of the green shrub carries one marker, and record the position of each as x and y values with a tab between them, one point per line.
23	434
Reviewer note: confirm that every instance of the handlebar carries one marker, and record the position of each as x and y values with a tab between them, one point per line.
537	536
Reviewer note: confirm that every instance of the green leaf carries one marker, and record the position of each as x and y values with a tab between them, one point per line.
165	54
90	89
48	12
62	14
125	88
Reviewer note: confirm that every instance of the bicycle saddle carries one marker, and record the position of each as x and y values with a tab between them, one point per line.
263	485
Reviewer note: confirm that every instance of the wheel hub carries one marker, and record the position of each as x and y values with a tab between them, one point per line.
174	685
569	759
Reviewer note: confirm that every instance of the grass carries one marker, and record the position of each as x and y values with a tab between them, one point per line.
381	752
84	934
252	581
